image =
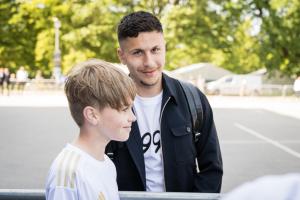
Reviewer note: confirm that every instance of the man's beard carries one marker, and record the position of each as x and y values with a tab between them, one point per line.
148	84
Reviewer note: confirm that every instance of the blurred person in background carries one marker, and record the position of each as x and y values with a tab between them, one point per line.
297	86
13	81
6	80
22	77
1	79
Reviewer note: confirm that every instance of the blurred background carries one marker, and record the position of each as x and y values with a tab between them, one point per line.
47	37
244	54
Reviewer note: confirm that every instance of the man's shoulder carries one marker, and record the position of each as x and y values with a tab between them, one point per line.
173	84
169	79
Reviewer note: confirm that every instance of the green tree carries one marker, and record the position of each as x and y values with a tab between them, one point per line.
238	35
280	35
17	39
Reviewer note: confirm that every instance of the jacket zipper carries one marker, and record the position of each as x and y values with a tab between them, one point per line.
162	152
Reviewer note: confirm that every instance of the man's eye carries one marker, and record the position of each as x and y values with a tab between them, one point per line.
156	50
137	53
125	109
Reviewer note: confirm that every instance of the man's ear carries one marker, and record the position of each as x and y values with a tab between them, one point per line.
90	115
121	56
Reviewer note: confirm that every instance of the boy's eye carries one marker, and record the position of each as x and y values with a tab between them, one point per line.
126	109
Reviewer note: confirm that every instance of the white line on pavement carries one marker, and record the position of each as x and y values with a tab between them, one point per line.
258	142
273	142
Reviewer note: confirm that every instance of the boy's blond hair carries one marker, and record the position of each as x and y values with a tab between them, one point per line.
98	84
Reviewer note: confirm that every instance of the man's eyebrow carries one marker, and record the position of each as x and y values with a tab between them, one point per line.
137	49
156	46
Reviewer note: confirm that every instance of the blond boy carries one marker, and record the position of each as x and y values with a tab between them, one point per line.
100	98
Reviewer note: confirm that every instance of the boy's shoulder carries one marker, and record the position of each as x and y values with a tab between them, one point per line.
74	172
73	166
64	169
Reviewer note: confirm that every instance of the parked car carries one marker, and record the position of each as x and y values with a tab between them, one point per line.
236	85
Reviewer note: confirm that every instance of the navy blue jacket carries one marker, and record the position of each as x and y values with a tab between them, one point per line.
178	148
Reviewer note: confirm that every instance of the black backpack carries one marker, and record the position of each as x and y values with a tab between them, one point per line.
195	107
196	111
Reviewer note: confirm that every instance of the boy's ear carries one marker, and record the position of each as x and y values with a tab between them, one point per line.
121	56
90	115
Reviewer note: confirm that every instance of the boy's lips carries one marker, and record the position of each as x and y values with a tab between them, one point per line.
127	127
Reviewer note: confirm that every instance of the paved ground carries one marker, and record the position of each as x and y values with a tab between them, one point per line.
289	106
258	136
256	142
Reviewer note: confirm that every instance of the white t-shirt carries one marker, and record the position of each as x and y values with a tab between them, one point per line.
147	111
74	174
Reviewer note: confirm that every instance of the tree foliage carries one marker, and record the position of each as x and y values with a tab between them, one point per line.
239	35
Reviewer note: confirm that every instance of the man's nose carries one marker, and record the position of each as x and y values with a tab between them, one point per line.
149	60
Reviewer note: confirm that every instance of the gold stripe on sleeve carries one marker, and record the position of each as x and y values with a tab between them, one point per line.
68	168
101	196
73	170
60	170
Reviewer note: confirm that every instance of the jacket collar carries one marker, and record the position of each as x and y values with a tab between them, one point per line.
169	88
134	143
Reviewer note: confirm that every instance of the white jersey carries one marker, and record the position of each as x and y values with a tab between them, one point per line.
147	111
74	174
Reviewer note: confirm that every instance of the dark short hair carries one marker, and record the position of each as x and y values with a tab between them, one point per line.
134	23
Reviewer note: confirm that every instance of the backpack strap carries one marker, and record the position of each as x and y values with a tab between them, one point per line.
111	147
195	107
109	150
196	111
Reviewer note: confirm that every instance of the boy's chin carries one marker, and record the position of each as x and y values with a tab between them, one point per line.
124	137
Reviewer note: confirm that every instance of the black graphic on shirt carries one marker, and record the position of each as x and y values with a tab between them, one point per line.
147	141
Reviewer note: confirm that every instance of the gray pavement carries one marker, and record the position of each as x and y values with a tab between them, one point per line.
256	142
258	136
289	106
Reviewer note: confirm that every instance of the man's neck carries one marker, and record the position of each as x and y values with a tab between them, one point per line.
145	91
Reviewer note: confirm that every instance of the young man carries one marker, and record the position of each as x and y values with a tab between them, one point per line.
160	153
100	100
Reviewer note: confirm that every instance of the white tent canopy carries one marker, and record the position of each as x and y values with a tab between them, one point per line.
206	71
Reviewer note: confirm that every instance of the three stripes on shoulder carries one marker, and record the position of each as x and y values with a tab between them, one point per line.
66	168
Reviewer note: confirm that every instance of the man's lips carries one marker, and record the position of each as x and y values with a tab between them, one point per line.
149	73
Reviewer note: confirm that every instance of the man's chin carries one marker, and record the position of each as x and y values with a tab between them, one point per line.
149	83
